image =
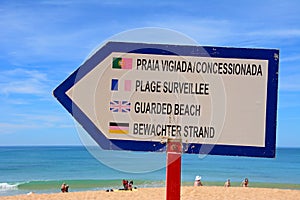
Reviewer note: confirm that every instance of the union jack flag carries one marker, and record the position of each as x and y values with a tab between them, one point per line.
120	106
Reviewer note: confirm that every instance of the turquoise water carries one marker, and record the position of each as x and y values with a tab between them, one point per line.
44	169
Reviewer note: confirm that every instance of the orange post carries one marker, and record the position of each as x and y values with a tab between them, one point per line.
173	173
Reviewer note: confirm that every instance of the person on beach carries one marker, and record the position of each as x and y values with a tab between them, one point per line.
125	184
130	185
227	183
245	182
64	188
197	181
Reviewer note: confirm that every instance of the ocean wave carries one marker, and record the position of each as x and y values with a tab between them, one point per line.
7	186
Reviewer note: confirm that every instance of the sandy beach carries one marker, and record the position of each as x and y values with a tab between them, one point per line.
187	193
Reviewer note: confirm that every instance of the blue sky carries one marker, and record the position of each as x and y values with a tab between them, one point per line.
42	42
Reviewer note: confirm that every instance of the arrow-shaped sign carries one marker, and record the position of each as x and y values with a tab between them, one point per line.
216	100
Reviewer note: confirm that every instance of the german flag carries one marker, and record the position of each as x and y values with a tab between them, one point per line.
118	128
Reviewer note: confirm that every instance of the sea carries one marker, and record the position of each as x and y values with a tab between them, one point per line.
42	169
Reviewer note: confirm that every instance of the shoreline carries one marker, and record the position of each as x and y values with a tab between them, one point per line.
98	184
187	193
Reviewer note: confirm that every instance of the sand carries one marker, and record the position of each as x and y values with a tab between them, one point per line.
187	193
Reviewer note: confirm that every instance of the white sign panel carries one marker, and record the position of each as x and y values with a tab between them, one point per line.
200	100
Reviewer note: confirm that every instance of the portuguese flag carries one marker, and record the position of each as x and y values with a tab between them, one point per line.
122	63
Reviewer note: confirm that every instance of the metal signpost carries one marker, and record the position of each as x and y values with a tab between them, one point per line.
214	100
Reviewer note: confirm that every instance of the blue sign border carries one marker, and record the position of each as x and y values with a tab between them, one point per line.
272	55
